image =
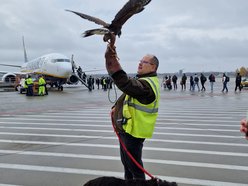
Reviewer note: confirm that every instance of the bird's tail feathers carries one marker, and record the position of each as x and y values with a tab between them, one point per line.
99	31
87	34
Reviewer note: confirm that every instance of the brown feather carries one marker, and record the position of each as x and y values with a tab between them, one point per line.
128	10
91	18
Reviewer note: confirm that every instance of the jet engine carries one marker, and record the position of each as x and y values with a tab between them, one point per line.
8	78
73	79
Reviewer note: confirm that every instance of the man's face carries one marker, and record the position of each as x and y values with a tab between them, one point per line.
146	65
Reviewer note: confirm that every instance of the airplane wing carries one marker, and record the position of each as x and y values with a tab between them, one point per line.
19	66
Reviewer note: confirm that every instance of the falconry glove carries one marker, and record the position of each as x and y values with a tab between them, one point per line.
112	61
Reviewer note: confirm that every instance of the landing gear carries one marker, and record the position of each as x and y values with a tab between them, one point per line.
58	85
61	88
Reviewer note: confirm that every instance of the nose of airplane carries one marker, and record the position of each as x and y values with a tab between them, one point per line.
64	69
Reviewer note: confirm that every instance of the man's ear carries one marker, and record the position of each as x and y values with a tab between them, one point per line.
154	68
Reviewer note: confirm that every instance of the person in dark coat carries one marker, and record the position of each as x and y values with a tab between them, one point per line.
238	82
174	80
203	79
183	82
211	80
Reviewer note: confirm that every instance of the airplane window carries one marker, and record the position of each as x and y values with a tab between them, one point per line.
61	60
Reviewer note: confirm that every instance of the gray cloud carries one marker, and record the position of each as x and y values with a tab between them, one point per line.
195	35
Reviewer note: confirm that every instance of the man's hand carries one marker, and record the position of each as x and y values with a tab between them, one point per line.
110	38
112	63
244	127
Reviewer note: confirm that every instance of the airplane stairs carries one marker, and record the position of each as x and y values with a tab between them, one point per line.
83	82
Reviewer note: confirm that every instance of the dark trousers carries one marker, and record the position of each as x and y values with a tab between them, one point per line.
203	87
134	146
30	90
225	87
238	85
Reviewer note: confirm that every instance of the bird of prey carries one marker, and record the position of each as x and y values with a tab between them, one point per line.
128	10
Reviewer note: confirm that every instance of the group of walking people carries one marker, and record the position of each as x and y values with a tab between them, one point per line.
195	81
171	82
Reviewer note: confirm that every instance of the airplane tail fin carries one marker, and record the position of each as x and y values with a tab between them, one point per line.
24	49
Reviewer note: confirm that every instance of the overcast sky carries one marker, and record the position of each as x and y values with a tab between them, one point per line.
194	35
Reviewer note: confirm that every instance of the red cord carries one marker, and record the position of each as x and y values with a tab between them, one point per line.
128	153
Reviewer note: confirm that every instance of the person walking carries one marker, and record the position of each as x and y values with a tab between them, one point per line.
203	79
174	80
104	82
196	82
89	83
225	79
168	83
136	110
97	82
211	80
183	81
238	82
191	83
79	72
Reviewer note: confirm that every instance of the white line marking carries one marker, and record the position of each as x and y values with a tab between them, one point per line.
98	157
59	124
110	131
89	130
112	173
93	118
145	148
158	124
1	184
148	140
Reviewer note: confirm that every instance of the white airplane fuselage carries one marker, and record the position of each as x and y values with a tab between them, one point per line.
54	65
56	68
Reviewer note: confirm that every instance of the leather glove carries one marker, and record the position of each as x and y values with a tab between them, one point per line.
112	63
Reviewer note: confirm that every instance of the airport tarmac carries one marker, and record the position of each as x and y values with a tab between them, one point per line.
66	138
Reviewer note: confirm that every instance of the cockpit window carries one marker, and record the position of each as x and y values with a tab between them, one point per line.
61	60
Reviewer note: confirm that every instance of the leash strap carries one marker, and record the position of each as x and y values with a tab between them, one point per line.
128	153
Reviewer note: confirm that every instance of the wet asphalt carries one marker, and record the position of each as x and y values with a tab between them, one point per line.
66	138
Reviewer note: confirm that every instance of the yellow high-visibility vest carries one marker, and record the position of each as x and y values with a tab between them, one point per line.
30	81
141	118
104	81
42	81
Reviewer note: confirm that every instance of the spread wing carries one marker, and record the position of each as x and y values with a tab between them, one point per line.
128	10
90	18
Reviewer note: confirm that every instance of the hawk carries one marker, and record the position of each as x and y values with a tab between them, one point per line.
128	10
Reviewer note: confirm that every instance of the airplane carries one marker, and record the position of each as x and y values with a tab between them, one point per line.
55	67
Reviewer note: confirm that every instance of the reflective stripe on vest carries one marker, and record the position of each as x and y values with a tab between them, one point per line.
144	108
142	125
141	108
